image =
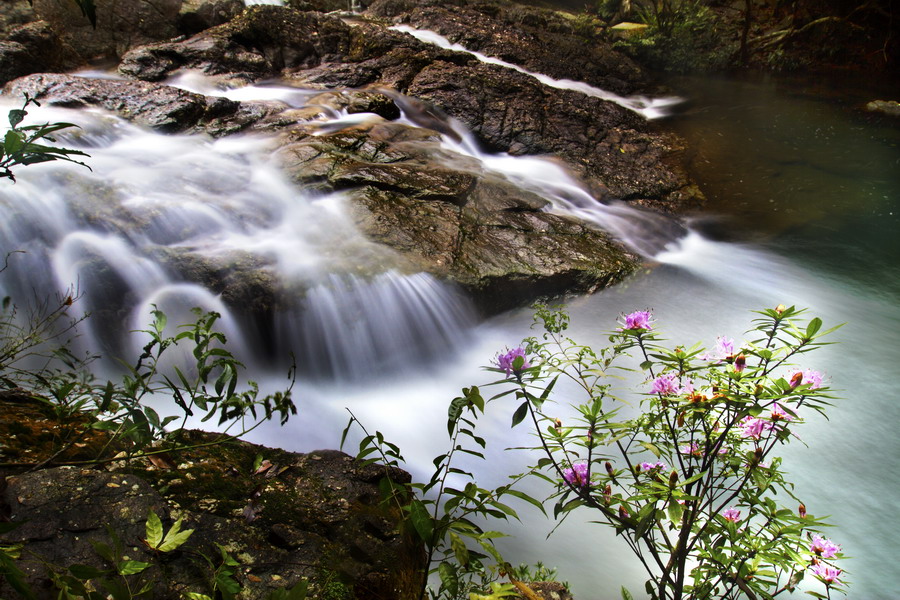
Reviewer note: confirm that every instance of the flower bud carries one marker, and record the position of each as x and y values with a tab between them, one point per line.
609	469
673	478
740	362
607	494
802	511
623	512
780	309
797	379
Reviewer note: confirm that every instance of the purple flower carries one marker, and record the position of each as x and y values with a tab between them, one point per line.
666	385
578	475
823	547
753	428
723	350
830	575
808	377
645	466
639	319
692	450
779	413
731	514
507	361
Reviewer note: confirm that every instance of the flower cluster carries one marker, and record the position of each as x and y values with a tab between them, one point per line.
754	428
507	361
646	466
639	319
731	514
578	475
666	385
798	377
823	547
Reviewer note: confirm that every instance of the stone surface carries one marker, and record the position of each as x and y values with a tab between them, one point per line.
315	516
121	24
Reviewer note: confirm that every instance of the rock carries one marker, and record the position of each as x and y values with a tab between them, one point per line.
262	42
121	24
446	215
198	15
316	516
14	13
31	48
884	107
160	107
536	39
511	111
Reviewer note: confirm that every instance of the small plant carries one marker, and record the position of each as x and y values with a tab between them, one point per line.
22	143
459	552
690	483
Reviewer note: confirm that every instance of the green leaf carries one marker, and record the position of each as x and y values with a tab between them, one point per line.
132	567
85	572
13	142
813	327
175	537
520	414
154	531
527	498
16	116
459	550
449	579
199	596
421	520
626	595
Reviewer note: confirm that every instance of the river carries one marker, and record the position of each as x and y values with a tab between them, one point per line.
805	202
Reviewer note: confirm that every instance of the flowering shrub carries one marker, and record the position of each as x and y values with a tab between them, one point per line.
690	482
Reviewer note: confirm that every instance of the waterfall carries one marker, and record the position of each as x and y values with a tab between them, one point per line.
649	108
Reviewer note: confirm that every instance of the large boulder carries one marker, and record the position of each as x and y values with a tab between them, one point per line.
121	24
264	41
31	48
315	516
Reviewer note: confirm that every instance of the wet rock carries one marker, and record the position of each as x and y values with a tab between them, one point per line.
445	214
198	15
159	107
511	111
890	108
121	24
31	48
315	516
262	42
536	39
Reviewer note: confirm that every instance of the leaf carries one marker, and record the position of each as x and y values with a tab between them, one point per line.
520	414
421	520
527	498
16	116
154	531
813	327
449	578
175	537
626	595
132	567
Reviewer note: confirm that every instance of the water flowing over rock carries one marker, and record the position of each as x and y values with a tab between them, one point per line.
414	143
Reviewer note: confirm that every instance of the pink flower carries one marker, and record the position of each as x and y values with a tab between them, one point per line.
779	413
731	514
507	361
808	377
830	575
639	319
578	475
692	450
823	547
723	350
753	428
666	385
645	466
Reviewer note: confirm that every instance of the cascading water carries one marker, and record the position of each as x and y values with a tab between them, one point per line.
649	108
124	233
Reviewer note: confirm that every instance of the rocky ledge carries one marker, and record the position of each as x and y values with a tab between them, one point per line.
315	516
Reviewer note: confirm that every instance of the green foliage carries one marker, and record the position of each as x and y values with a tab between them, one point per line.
22	143
681	37
690	483
459	552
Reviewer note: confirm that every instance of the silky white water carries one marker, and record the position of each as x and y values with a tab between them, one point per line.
396	348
